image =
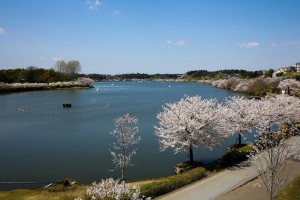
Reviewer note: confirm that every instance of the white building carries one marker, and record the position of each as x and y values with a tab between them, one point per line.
297	66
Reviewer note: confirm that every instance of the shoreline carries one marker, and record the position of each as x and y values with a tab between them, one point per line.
243	191
256	86
7	88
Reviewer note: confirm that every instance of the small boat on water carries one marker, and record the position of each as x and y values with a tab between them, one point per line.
98	89
67	105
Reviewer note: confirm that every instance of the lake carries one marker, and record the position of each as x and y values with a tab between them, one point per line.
40	141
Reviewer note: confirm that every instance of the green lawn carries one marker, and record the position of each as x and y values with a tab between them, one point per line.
291	74
291	192
44	194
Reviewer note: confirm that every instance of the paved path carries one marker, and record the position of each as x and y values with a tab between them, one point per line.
249	192
216	185
219	184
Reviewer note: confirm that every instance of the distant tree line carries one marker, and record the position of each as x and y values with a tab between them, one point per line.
141	76
146	76
34	75
29	75
68	71
63	73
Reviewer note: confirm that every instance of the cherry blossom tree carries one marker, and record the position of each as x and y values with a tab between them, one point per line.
114	189
86	81
126	136
189	123
273	147
272	112
241	119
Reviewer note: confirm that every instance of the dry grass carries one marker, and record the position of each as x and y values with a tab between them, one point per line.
44	194
291	192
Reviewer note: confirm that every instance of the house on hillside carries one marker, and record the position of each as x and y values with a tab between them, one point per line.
297	66
286	69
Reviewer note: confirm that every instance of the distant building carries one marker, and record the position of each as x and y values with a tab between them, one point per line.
297	66
286	69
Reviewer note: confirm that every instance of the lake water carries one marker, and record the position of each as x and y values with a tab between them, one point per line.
42	142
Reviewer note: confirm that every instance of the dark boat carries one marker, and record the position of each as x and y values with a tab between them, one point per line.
67	105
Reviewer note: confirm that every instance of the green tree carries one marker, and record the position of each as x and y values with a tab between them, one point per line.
269	73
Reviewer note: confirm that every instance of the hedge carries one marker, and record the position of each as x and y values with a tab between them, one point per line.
164	185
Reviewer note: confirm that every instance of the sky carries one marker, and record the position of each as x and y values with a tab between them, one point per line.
150	36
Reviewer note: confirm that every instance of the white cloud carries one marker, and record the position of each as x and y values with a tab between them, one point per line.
56	59
177	42
42	58
249	45
2	31
180	42
93	4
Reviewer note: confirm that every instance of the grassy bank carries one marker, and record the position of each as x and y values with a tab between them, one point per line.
153	188
291	192
44	194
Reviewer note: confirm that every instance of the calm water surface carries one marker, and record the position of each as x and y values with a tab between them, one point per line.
47	142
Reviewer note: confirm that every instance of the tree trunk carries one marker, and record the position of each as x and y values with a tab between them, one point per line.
240	139
191	154
123	174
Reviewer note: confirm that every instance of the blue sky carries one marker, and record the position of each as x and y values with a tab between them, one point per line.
150	36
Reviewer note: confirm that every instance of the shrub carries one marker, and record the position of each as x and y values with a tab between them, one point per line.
168	184
232	83
246	149
234	147
63	185
232	158
235	155
111	189
186	166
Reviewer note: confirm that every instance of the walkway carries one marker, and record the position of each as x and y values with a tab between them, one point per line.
216	185
249	191
219	184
